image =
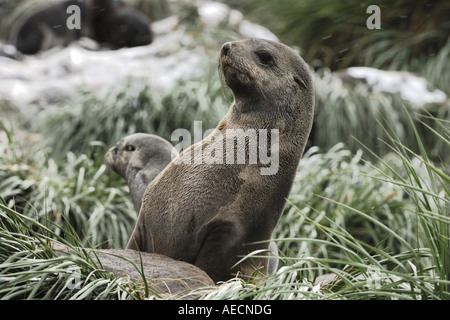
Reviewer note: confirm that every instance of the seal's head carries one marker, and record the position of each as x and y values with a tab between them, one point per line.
267	76
137	151
139	158
217	210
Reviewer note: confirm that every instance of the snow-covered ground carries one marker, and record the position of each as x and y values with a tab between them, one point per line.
411	87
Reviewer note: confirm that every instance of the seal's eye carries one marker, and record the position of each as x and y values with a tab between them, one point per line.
130	147
264	57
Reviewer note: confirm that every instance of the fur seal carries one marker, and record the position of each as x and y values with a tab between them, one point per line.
108	22
211	213
139	158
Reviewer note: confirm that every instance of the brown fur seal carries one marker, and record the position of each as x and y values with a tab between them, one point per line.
109	22
139	158
205	208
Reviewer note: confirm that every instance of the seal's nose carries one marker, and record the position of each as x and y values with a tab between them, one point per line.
225	48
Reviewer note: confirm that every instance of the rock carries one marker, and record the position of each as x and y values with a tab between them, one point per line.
166	278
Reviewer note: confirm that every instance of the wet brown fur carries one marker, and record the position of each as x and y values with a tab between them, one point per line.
210	214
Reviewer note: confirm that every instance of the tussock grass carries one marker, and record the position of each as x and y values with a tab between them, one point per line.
343	113
81	194
379	230
31	269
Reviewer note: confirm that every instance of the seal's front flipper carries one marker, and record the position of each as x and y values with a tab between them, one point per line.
219	250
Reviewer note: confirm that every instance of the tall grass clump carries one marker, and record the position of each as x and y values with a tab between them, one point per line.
344	112
30	268
80	192
428	186
347	180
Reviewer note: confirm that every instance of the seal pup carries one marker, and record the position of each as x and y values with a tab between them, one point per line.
109	22
139	158
211	213
43	26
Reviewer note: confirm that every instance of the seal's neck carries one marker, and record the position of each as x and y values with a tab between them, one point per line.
247	114
257	112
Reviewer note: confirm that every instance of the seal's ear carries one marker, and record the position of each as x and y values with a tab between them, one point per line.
299	81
